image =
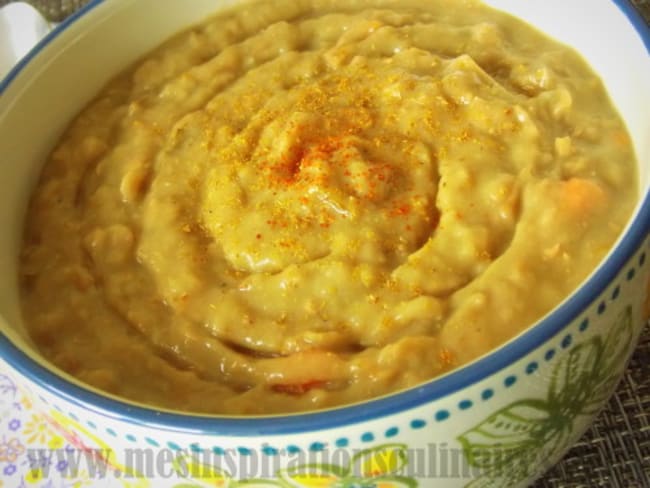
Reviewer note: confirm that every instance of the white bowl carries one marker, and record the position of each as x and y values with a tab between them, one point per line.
499	421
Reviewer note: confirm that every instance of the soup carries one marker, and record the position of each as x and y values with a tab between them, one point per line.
304	204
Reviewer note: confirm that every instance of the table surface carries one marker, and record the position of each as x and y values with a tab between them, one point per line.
615	452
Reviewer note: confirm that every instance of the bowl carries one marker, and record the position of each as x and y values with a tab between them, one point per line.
501	420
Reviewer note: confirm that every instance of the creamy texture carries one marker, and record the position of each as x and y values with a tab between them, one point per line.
302	204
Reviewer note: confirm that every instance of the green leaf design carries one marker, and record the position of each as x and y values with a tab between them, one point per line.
617	347
511	463
573	378
379	461
619	341
485	482
519	441
504	436
506	445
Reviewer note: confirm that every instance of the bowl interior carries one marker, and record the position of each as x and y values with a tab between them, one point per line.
64	72
621	58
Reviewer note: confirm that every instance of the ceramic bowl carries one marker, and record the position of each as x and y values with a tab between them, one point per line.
500	421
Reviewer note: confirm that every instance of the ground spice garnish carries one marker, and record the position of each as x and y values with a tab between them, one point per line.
446	357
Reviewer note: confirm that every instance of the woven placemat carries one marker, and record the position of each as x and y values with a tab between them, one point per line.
54	10
615	452
57	10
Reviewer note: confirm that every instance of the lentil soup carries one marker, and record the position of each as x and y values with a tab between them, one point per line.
302	204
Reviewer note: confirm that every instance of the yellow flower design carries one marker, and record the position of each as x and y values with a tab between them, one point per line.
56	442
37	430
34	476
372	468
26	403
378	467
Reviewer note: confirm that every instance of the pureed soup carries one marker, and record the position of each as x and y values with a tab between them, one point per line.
301	204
